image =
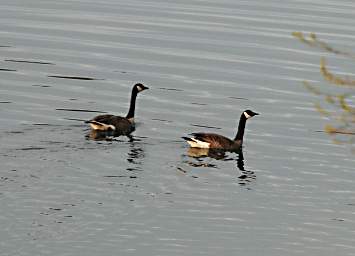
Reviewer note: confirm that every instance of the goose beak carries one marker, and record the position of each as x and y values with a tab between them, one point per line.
256	114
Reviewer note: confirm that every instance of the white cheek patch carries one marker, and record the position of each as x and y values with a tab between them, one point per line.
246	115
139	88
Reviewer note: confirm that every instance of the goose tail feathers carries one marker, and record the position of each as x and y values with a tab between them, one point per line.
195	143
95	125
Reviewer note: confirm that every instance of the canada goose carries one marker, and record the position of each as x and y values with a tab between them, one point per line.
216	141
117	124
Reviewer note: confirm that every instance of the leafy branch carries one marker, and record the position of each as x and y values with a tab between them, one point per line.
339	105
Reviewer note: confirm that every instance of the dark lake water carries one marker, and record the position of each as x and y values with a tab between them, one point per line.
291	192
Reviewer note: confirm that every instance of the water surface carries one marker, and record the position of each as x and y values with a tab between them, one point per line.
62	62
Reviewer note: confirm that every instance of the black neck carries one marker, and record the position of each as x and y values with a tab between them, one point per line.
132	105
241	128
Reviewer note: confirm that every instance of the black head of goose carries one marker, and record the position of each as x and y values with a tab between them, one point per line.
117	124
216	141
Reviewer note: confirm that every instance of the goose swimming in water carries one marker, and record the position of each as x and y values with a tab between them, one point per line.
216	141
118	125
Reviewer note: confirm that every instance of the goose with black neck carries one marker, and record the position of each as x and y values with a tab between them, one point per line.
118	125
217	141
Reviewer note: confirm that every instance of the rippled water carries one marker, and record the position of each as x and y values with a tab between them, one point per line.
292	191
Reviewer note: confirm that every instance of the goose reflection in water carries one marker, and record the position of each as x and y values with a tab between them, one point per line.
206	152
200	153
105	135
135	154
246	176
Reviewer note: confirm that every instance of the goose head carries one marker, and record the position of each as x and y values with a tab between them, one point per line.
248	114
140	87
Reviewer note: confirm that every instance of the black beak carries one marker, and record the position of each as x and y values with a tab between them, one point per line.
255	114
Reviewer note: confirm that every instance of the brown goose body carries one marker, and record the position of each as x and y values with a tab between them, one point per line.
213	140
217	141
117	124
